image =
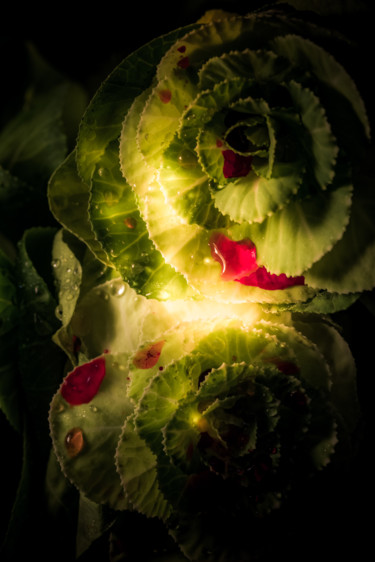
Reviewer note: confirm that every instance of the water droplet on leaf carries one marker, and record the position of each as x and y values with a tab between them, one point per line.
74	442
103	172
187	159
117	288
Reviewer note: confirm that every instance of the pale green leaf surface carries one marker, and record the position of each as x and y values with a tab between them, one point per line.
33	143
137	466
92	469
68	273
322	64
291	240
253	198
260	65
322	145
68	198
102	121
350	266
123	233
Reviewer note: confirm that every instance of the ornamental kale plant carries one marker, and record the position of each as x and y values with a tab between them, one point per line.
237	177
167	360
205	424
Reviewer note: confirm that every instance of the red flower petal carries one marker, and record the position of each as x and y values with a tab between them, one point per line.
235	165
265	280
236	258
83	383
238	263
149	356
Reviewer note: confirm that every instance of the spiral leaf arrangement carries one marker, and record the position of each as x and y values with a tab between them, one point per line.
211	420
237	177
221	197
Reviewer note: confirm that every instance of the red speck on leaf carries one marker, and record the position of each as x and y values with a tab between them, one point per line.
219	143
236	165
182	49
238	263
129	222
236	258
148	357
76	344
184	62
165	96
83	383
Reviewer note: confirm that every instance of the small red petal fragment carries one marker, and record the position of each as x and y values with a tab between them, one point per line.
149	356
129	222
237	259
184	62
83	383
264	280
236	165
165	96
182	49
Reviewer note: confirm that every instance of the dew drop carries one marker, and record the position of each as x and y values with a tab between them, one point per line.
94	409
117	289
164	295
74	442
56	263
187	159
103	172
60	408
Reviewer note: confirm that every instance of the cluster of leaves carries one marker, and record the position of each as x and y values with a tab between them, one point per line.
179	417
211	419
35	138
229	130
